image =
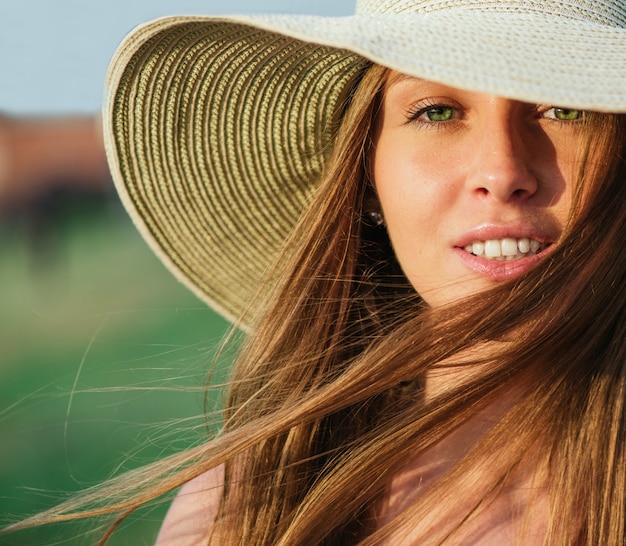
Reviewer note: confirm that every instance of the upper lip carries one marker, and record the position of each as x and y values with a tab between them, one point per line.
547	233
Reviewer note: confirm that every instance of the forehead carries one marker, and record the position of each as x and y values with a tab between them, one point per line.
403	89
393	77
400	79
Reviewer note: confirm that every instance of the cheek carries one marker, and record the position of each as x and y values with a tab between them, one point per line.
561	177
394	172
412	191
412	207
398	193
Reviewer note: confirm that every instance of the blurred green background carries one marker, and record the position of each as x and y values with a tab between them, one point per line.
103	366
103	355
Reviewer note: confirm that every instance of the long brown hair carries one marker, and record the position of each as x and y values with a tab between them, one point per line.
340	353
325	404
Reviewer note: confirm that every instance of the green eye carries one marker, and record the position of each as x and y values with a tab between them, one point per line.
440	113
566	114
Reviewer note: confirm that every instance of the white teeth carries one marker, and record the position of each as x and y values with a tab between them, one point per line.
477	248
509	247
505	249
493	248
523	245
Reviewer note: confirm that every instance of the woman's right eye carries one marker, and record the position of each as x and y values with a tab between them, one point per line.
439	113
432	113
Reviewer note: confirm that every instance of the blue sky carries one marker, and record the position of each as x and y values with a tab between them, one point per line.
54	53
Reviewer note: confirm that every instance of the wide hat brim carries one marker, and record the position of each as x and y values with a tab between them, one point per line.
217	129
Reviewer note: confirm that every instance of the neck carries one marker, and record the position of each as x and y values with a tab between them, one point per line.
519	506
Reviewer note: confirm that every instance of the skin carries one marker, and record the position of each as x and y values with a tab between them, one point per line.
191	515
452	167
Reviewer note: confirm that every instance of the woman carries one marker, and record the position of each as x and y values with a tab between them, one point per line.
426	253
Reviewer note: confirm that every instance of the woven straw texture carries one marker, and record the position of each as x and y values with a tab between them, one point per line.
214	163
217	128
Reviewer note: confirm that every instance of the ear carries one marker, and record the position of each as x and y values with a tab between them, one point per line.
372	212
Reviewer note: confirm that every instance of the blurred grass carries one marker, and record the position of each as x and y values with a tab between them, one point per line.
102	366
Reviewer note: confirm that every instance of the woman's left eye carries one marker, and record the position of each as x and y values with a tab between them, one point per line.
563	114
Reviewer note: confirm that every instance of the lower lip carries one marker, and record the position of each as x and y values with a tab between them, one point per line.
500	270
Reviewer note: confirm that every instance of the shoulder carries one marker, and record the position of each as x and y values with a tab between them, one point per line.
191	515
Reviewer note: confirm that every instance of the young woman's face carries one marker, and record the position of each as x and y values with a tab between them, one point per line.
474	188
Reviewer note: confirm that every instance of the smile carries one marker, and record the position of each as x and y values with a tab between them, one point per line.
506	249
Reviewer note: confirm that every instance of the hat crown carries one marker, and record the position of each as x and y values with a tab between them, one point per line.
608	12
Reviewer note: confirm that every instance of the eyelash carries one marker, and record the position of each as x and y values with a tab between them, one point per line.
415	112
542	111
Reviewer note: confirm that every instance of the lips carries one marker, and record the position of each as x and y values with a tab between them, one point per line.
501	252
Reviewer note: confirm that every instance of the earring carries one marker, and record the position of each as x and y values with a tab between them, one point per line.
374	218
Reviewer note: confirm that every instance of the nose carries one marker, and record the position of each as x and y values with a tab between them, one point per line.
502	166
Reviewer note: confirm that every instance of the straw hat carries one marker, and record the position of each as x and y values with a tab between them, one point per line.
217	127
